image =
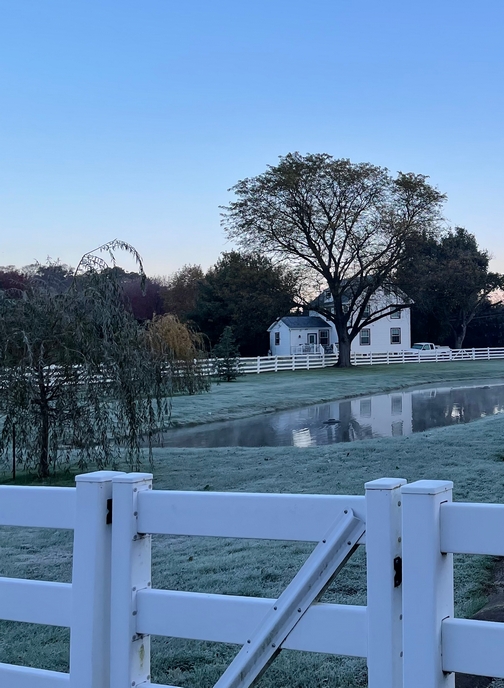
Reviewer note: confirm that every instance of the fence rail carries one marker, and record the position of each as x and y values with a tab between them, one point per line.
407	631
275	364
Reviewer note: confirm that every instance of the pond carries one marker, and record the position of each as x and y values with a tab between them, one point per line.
382	415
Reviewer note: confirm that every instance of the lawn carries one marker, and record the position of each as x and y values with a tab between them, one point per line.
471	455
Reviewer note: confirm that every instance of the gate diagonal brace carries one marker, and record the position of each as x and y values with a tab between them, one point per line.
316	574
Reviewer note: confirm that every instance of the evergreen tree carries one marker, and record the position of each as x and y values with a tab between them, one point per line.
227	356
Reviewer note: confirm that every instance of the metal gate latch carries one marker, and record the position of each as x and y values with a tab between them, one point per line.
397	572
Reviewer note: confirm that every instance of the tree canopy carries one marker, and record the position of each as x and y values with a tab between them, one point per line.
246	292
179	293
449	280
344	224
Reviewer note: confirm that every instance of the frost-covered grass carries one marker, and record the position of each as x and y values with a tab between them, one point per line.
471	455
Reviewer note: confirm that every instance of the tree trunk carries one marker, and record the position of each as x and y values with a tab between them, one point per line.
43	470
344	343
460	334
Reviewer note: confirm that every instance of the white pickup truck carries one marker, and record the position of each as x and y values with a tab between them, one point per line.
428	347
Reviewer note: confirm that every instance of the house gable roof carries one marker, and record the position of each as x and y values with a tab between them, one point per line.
325	298
299	322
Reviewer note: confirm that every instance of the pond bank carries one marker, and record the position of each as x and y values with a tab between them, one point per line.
254	394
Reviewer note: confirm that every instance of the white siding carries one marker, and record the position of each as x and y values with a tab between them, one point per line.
380	334
283	348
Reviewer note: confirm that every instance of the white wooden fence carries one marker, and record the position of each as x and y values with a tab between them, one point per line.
407	632
274	364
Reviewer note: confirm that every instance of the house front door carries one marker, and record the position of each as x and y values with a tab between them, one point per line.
312	338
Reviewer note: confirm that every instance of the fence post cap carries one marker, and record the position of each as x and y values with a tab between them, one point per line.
428	487
132	477
97	476
385	484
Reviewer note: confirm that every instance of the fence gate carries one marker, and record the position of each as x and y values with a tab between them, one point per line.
262	626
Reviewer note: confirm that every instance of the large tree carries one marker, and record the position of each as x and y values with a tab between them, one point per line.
449	280
246	292
345	224
78	377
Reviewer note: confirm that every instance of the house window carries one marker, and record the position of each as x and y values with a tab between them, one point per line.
324	337
365	337
367	311
395	335
396	405
365	408
396	315
277	338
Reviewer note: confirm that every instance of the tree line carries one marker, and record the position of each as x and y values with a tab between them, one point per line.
455	296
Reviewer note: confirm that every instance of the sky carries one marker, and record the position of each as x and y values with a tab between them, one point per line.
129	119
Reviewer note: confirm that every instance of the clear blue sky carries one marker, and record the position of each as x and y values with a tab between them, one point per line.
133	118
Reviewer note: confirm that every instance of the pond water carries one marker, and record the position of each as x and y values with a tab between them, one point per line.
382	415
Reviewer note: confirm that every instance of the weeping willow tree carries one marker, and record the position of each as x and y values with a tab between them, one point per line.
76	378
183	351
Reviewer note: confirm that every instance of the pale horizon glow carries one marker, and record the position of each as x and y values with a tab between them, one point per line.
132	120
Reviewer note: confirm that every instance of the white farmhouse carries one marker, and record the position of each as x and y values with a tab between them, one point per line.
313	333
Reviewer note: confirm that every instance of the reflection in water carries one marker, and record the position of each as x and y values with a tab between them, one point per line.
383	415
302	438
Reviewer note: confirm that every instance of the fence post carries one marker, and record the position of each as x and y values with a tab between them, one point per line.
427	584
258	369
384	591
131	571
293	362
276	364
90	629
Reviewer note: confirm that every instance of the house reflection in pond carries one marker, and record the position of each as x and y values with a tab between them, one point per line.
382	416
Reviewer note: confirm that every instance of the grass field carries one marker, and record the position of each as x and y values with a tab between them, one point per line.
471	455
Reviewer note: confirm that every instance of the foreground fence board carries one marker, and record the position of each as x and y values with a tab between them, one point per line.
40	602
242	515
12	676
37	507
329	628
473	647
472	528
